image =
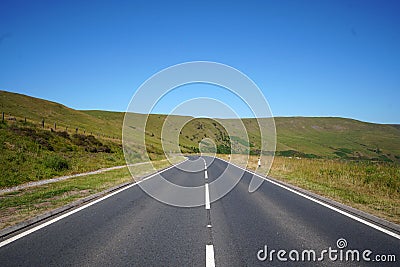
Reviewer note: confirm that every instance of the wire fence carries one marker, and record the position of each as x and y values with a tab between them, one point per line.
54	126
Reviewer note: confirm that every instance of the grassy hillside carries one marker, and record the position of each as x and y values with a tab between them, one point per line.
296	137
30	153
34	110
338	137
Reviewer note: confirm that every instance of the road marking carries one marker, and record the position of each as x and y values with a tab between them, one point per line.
207	198
210	261
377	227
34	229
205	164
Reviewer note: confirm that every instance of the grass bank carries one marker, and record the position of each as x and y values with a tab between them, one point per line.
373	187
29	153
21	205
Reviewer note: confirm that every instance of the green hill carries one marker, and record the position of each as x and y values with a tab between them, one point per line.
338	137
35	109
296	136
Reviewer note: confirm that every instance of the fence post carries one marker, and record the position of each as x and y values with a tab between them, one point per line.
25	119
2	117
76	130
55	126
43	123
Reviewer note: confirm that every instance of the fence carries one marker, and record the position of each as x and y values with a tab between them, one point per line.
47	126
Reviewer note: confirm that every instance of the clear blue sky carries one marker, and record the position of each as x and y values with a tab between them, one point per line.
310	58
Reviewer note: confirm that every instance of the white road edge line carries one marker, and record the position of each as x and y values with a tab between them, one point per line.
377	227
206	175
34	229
210	261
207	197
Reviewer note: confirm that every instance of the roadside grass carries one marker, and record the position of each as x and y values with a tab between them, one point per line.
373	187
29	153
23	204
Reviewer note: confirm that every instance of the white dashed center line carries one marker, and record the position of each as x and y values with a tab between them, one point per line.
210	262
207	198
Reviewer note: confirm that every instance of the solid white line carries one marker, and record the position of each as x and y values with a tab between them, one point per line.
377	227
206	175
210	261
207	198
34	229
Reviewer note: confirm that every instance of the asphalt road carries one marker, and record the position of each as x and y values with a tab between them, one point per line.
133	229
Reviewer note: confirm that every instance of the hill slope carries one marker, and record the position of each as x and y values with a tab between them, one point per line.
296	136
35	109
338	137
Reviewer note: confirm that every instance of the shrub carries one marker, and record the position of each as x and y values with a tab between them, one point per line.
85	141
63	134
44	143
91	149
56	163
104	148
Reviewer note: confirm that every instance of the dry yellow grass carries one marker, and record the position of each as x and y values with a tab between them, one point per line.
373	187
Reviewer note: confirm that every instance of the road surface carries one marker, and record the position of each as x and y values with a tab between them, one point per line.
130	228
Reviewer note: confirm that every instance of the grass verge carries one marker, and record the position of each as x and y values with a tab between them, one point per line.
373	187
21	205
28	153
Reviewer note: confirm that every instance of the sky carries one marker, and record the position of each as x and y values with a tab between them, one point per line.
309	58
